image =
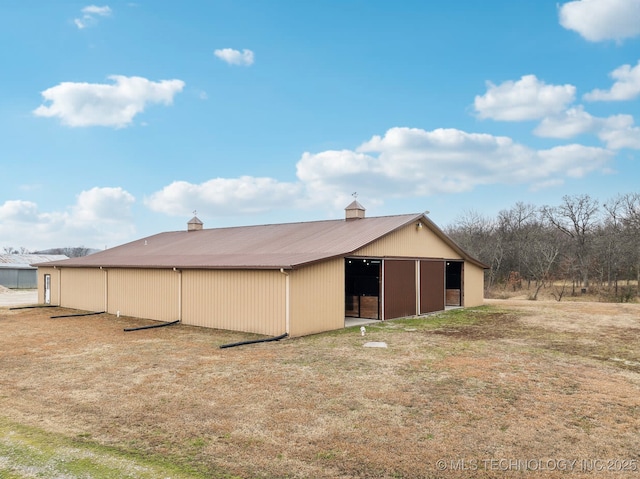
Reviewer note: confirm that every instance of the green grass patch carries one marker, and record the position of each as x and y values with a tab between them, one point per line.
444	319
450	318
28	452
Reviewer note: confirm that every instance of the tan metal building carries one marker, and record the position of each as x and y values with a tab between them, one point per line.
295	278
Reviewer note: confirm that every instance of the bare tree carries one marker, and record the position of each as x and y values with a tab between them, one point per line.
572	243
611	241
631	221
515	226
540	255
476	235
631	202
12	250
71	252
576	217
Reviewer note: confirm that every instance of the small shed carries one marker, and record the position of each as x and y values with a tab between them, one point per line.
295	278
16	271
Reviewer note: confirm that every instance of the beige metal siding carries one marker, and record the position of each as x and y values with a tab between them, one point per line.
144	293
473	283
409	241
80	288
55	284
250	301
317	298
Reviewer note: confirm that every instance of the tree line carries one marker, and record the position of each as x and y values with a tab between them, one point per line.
570	247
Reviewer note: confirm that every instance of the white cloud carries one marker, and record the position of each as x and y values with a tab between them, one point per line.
598	20
530	99
617	131
221	196
402	163
97	104
89	15
405	162
95	10
235	57
83	22
626	86
568	124
574	161
525	99
415	162
104	205
100	216
18	210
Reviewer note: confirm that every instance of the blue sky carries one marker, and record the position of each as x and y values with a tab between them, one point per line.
119	119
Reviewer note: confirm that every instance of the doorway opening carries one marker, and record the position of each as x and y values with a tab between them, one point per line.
362	287
47	289
453	283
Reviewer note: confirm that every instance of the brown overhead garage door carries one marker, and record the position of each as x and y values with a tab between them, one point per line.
399	288
432	286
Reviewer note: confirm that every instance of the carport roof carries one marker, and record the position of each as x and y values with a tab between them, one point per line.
24	261
274	246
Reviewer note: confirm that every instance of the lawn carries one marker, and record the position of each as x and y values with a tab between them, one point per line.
511	389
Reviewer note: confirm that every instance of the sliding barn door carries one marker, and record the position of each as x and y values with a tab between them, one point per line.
399	288
432	281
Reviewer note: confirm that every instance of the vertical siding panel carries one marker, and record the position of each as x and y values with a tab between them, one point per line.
473	285
55	284
317	298
250	301
410	242
144	293
80	288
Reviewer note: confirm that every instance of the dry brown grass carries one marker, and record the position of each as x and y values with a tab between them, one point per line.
563	291
516	380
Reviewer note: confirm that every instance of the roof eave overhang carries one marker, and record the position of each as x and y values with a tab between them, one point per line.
171	267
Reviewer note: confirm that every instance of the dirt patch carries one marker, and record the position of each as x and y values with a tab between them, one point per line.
521	381
493	325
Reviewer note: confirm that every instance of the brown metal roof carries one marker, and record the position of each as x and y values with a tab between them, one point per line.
248	247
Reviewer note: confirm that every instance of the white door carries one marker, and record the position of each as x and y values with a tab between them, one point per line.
47	289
